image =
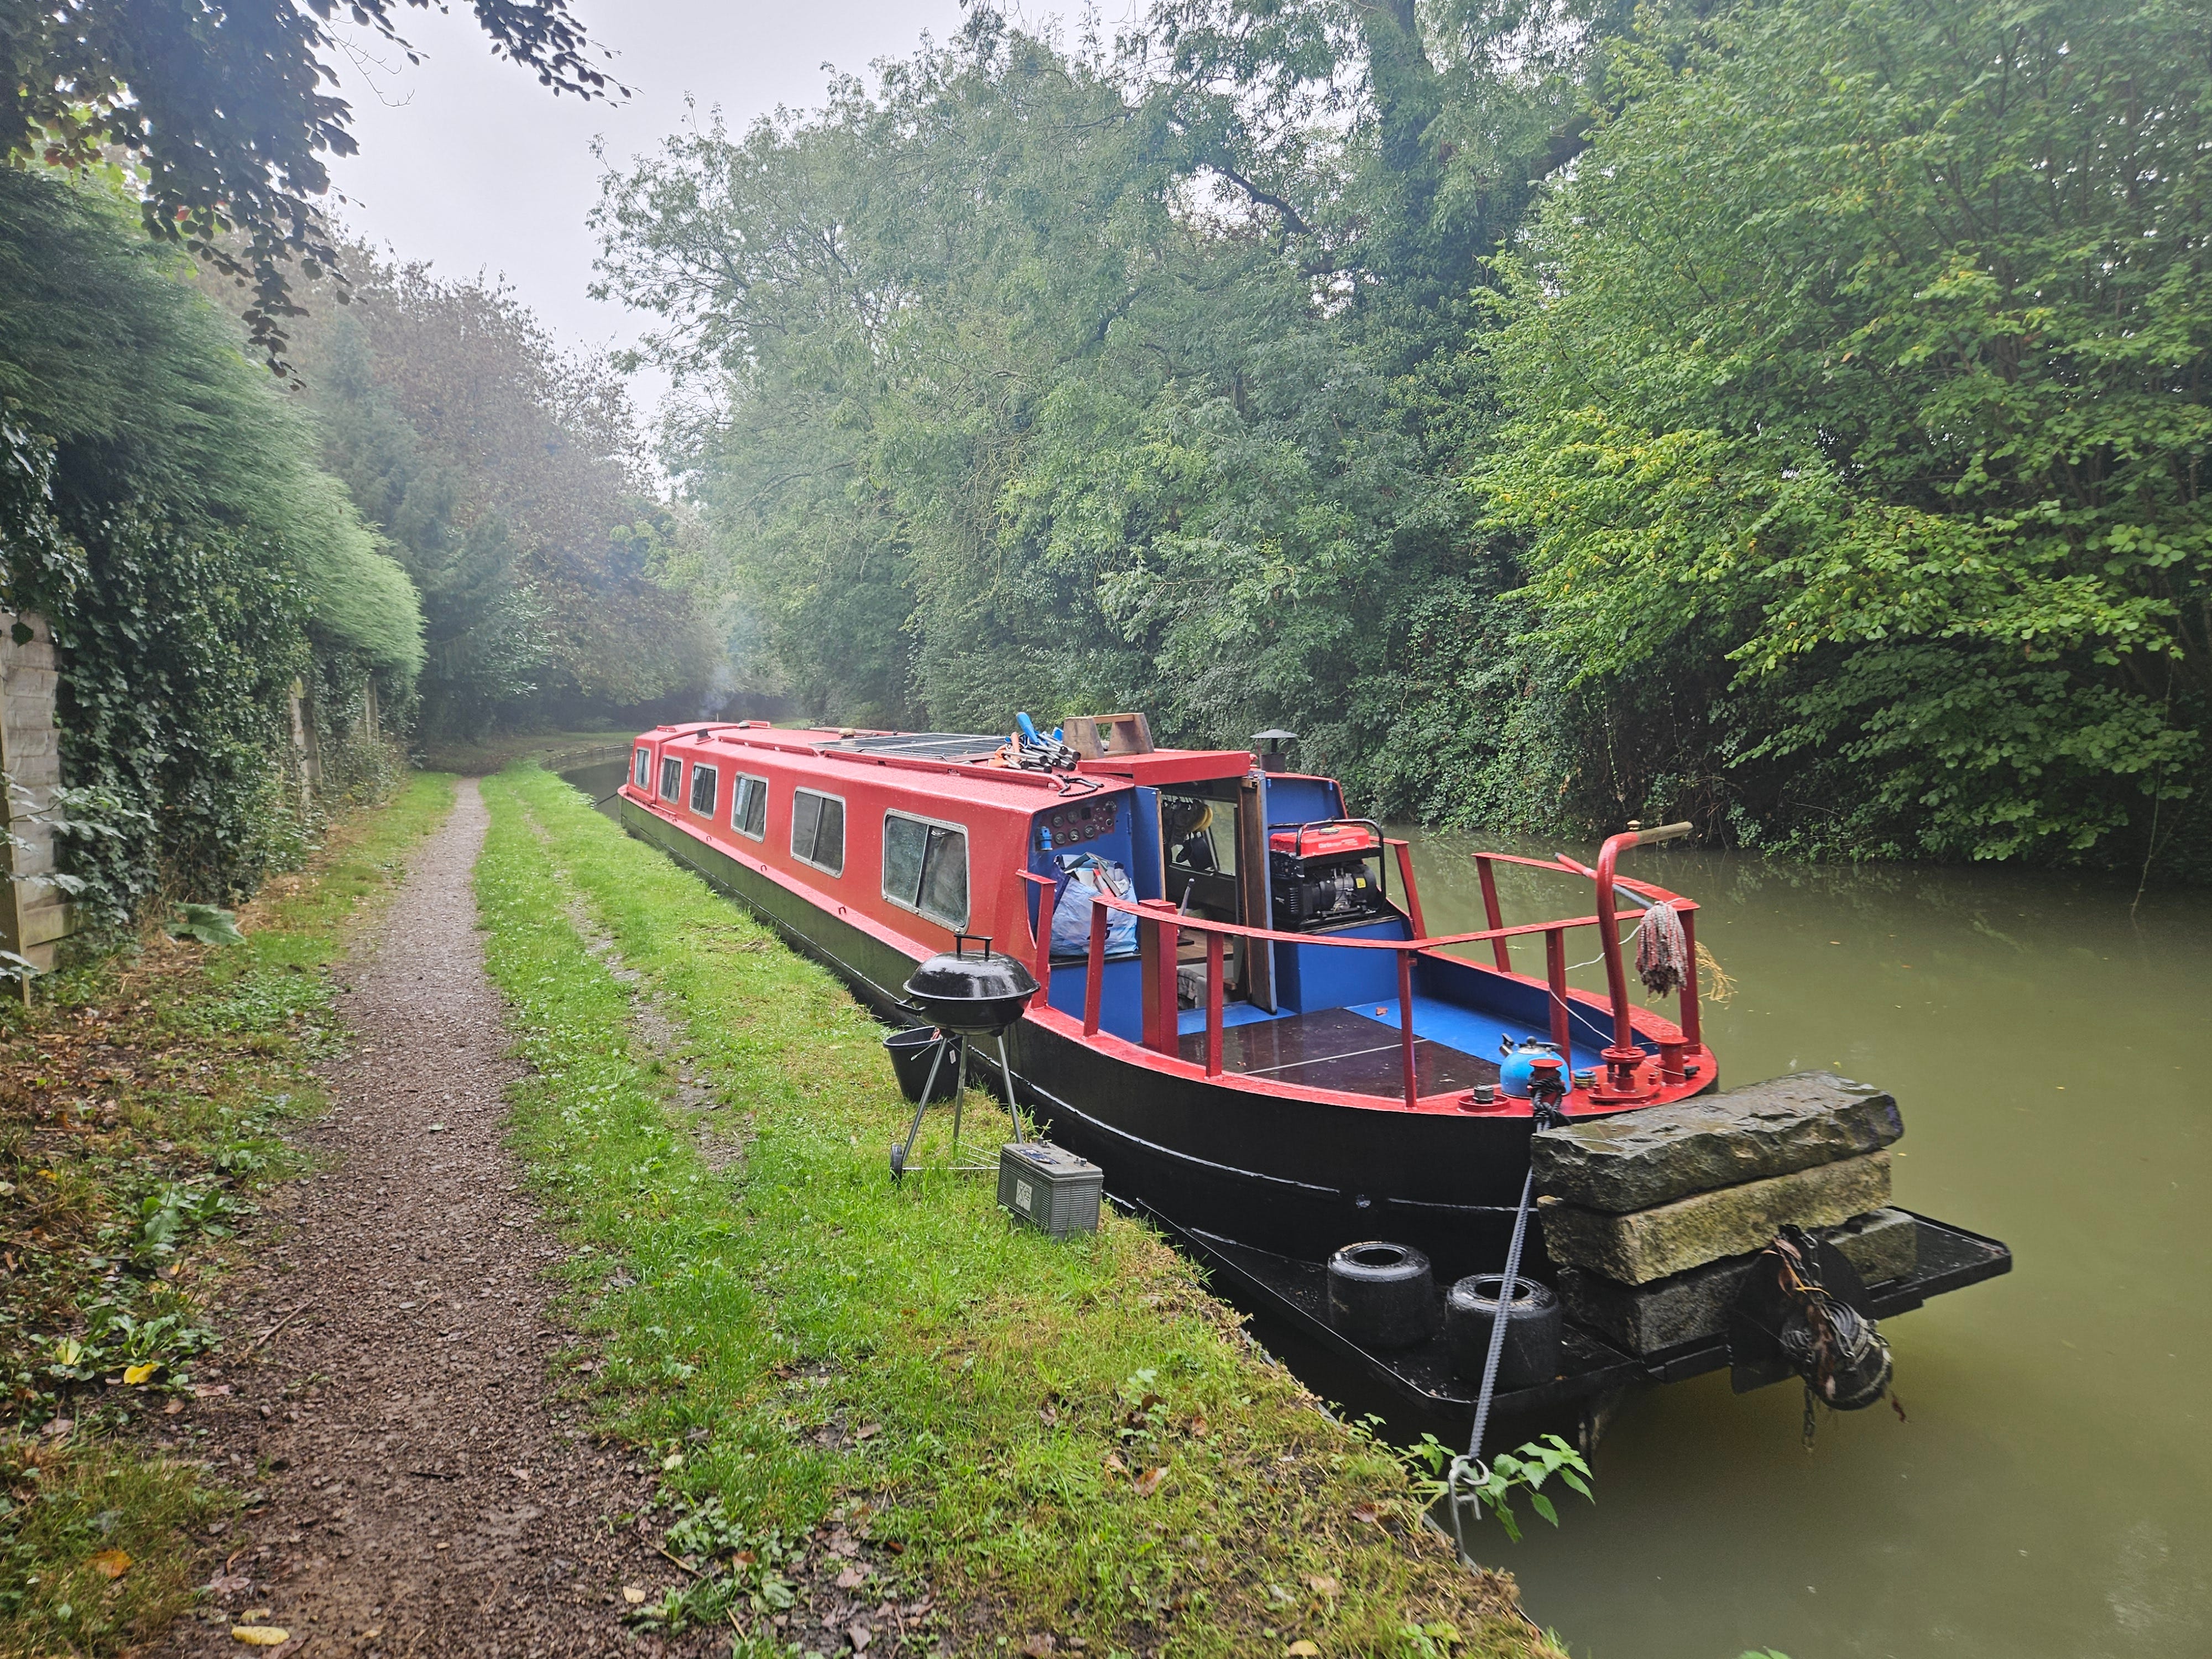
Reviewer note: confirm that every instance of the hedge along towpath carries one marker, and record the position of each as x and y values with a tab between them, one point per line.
1071	1445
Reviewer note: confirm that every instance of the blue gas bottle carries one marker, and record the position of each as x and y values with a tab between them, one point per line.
1518	1060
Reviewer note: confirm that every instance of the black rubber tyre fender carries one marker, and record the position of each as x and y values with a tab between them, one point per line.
1381	1295
1532	1332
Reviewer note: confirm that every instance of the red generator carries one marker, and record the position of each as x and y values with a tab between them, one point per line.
1326	874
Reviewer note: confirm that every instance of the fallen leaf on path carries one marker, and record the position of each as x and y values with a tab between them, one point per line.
261	1636
209	1391
253	1615
1363	1512
868	1431
1198	1427
1048	1414
633	1594
1322	1583
134	1375
852	1577
1303	1650
859	1636
1149	1482
437	1129
111	1564
172	1408
1037	1645
225	1585
1114	1465
845	1546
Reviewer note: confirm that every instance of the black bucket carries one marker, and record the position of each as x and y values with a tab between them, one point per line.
1531	1351
913	1051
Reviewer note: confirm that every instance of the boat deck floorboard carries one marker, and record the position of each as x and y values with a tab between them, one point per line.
1343	1049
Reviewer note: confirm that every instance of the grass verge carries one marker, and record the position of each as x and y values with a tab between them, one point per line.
142	1104
1070	1447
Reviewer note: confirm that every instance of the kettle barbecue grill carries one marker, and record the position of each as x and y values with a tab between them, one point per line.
965	995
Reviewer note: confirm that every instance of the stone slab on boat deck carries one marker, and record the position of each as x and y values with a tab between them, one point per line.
1672	1238
1641	1159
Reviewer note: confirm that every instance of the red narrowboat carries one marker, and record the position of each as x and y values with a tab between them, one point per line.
1242	1018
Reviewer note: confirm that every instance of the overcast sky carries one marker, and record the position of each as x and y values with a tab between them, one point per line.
468	162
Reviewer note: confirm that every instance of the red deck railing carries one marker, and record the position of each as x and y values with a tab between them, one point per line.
1161	927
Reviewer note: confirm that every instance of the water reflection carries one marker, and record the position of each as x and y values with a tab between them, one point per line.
2048	1494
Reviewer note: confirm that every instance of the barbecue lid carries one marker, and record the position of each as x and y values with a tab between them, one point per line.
964	976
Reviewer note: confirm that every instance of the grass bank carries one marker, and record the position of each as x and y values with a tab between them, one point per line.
143	1100
1051	1447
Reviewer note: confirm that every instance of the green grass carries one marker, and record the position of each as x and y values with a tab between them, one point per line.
751	1323
143	1103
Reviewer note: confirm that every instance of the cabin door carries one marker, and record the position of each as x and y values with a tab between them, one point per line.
1253	906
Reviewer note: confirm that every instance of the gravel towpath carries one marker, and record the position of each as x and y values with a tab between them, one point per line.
424	1493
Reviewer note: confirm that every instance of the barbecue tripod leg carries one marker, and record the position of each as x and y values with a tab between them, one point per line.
1013	1108
900	1154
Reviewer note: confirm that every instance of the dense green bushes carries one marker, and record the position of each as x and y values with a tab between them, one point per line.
163	508
1862	370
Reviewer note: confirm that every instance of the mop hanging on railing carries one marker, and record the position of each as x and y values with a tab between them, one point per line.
1662	954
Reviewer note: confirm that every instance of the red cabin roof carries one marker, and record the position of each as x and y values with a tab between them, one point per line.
952	781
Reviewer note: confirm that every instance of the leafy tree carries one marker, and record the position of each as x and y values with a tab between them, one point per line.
227	111
1042	379
509	480
1862	374
1820	464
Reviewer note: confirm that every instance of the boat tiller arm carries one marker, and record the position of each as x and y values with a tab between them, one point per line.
1624	1056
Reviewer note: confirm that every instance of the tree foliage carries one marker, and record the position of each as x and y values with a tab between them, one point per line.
1866	353
509	480
1785	414
1024	384
227	108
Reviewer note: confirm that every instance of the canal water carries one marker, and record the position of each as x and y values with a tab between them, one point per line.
2049	1494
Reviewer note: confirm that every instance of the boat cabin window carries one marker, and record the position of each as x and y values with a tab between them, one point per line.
817	830
749	807
640	769
672	776
926	868
1200	835
703	783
